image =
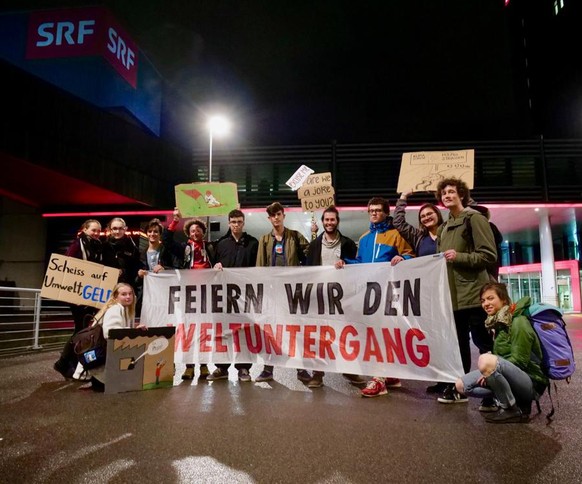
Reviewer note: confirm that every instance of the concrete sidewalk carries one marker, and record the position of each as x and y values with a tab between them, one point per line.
268	433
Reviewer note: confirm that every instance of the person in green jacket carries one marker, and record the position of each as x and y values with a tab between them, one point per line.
510	373
467	244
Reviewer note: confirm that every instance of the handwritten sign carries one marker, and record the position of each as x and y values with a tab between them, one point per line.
78	281
299	177
316	193
206	199
423	170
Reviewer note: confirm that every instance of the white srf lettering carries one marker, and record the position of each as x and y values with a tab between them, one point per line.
85	28
64	31
119	48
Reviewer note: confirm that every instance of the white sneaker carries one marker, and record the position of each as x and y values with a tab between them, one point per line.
80	373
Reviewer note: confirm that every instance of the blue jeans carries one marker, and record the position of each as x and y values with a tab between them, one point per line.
508	383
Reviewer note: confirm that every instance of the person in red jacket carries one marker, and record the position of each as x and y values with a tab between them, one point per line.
195	253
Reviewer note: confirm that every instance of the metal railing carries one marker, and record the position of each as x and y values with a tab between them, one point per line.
26	324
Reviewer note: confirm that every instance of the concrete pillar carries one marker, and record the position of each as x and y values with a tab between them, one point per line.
549	289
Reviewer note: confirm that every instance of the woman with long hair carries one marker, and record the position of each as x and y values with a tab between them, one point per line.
422	238
511	373
86	246
117	313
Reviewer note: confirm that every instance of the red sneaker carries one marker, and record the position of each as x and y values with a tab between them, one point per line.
374	388
392	383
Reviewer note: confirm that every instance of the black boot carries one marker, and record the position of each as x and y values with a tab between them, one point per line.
506	415
525	408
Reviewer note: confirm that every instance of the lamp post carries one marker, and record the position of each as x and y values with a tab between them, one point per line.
217	126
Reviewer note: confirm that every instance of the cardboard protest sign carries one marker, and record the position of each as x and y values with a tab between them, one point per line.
206	199
299	177
78	281
421	171
139	360
316	192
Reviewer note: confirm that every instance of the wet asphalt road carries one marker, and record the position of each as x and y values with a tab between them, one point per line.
226	431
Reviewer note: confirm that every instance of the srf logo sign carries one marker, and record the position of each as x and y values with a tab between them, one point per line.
82	32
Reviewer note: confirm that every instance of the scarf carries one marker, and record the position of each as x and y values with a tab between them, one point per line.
502	317
90	248
330	245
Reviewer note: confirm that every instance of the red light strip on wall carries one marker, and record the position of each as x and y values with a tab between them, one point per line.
167	213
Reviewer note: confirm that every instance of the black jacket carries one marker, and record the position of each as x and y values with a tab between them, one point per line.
166	259
348	250
231	253
122	254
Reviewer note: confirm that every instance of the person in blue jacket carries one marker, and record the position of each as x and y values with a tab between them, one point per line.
381	243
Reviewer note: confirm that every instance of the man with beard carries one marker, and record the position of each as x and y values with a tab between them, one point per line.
330	247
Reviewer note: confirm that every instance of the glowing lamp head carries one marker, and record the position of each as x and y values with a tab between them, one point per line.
218	126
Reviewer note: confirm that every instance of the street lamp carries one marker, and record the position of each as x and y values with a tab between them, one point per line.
217	126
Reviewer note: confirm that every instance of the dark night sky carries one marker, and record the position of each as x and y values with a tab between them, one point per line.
311	71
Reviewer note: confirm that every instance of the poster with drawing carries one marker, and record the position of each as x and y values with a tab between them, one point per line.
421	171
206	199
139	359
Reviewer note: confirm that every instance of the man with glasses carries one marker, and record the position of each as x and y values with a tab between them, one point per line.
381	243
235	249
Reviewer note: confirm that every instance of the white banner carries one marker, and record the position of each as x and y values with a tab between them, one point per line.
366	319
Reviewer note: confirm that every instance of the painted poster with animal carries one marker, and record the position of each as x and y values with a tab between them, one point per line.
206	199
139	359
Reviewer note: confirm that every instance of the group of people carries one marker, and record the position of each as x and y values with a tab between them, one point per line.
507	379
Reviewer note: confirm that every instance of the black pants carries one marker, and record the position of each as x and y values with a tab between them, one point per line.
239	366
471	322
